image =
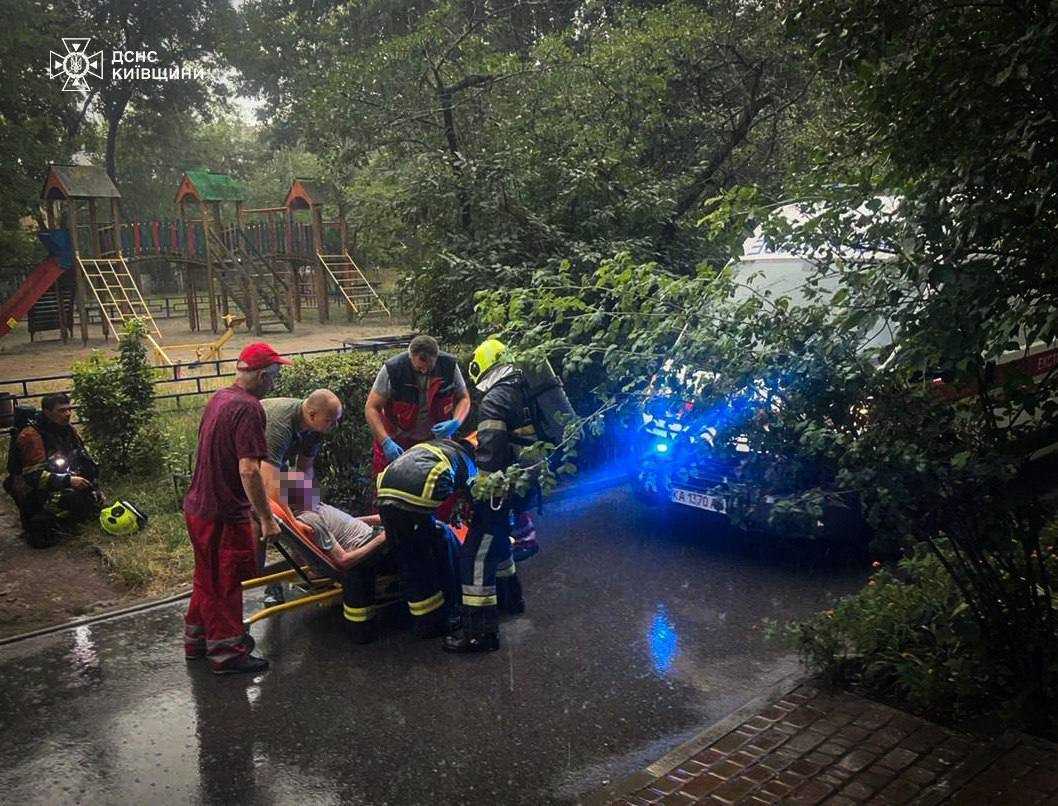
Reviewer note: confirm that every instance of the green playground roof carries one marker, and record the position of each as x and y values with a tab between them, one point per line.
210	186
78	182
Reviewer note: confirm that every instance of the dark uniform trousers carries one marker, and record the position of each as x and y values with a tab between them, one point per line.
422	555
486	568
360	593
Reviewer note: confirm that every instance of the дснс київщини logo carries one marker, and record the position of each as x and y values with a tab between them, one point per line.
76	64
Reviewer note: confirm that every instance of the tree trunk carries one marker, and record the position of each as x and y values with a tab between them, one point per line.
74	121
444	96
703	177
115	111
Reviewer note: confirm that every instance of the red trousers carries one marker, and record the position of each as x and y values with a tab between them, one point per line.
225	555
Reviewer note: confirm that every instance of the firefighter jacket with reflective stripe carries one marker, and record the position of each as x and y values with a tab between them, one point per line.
422	477
44	458
401	409
519	407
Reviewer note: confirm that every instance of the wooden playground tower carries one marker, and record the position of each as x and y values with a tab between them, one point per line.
255	258
334	266
105	272
235	269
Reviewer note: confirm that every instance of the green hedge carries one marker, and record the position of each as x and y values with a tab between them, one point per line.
909	638
343	467
115	404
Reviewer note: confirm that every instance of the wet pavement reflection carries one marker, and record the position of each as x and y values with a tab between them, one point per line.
664	643
639	632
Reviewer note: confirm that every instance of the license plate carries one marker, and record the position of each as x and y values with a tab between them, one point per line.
713	503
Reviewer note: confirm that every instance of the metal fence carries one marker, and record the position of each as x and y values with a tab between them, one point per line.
164	308
183	381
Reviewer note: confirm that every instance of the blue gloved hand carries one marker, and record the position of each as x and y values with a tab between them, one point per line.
391	449
445	428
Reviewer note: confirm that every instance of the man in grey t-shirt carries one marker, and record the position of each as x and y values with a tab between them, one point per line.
417	396
294	428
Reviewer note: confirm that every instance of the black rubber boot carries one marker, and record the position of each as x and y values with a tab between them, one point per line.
509	595
453	619
361	632
432	625
44	531
480	632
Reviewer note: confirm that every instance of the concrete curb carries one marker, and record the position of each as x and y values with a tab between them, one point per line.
105	616
678	755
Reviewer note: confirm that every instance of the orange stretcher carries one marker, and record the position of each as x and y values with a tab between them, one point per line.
320	579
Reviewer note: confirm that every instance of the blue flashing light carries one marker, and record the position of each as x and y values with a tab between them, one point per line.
661	447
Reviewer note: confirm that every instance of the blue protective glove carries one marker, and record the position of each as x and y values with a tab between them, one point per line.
391	449
445	428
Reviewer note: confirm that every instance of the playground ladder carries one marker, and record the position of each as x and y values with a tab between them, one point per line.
351	281
118	296
240	266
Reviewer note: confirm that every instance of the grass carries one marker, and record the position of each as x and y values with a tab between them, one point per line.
158	558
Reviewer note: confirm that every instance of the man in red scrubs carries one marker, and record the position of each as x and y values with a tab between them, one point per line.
226	493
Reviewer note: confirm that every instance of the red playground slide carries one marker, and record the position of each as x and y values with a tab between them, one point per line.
40	280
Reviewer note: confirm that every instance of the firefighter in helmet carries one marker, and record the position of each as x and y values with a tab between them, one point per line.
520	405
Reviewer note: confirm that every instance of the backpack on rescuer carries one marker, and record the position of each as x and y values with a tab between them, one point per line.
24	416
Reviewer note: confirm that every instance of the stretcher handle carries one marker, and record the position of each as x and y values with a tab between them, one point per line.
289	559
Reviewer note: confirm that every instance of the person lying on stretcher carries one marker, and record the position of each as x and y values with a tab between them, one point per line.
348	540
356	546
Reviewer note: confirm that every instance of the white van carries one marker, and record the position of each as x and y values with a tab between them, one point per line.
676	463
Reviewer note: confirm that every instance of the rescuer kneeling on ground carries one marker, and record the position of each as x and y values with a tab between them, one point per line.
410	489
355	545
50	474
520	405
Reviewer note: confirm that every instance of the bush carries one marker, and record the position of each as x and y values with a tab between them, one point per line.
115	401
343	467
910	638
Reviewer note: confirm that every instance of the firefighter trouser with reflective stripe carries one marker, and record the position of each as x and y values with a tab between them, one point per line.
359	603
224	556
420	554
48	516
485	562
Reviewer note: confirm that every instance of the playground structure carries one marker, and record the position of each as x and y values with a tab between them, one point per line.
262	261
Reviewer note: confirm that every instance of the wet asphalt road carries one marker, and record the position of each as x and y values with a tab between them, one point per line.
638	634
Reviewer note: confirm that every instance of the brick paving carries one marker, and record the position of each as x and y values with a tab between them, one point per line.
809	745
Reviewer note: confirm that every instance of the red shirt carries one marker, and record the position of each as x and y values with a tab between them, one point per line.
232	428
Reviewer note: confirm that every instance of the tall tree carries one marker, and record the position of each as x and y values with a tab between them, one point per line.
183	33
930	212
528	131
157	155
954	106
39	123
